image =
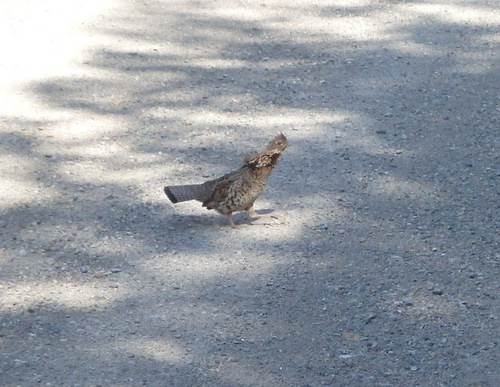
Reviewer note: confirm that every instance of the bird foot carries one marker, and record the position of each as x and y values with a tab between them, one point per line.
252	214
263	216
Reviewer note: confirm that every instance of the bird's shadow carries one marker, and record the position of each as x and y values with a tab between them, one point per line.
266	211
188	221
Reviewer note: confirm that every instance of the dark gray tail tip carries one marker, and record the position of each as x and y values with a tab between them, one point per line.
170	195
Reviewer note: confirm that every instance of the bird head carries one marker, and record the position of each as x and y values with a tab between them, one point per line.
278	144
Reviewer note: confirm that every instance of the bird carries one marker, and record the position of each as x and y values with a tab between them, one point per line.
237	190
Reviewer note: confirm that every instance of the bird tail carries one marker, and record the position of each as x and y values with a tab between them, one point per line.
182	193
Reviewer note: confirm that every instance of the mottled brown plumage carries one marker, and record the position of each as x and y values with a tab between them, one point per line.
235	191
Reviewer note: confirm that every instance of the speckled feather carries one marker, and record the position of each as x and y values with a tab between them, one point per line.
238	190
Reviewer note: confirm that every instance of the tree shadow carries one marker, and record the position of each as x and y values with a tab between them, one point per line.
387	195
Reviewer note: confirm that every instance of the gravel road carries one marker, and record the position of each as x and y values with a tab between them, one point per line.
380	266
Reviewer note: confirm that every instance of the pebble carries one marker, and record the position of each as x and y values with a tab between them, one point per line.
408	301
370	318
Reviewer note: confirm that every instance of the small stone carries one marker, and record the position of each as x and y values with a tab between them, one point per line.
437	291
408	301
370	318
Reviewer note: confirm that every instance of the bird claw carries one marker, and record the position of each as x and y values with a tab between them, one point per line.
253	214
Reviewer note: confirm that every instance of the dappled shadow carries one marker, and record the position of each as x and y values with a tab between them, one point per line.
382	259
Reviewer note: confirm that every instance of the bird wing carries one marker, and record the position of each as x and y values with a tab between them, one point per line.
224	187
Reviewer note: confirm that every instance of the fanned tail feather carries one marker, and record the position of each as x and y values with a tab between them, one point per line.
182	193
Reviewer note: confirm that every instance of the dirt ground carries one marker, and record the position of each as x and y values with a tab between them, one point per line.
382	265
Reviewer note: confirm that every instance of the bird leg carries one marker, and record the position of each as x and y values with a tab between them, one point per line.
251	213
231	222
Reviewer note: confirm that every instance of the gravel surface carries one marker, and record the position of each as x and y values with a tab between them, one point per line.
382	267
